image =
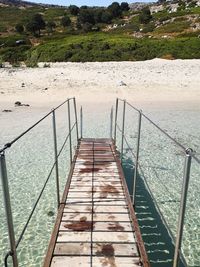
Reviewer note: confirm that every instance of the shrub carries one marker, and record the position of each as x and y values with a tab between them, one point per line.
105	46
74	10
87	27
36	24
106	17
145	15
86	16
19	28
51	25
65	21
68	54
115	9
125	6
148	28
167	17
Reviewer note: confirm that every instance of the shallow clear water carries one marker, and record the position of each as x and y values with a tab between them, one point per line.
30	159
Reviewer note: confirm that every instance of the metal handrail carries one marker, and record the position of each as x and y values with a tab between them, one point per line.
189	155
14	245
161	130
8	145
164	132
43	188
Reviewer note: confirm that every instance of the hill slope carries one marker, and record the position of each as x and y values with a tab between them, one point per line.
169	30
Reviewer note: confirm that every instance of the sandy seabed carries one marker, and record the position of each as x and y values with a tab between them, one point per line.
168	91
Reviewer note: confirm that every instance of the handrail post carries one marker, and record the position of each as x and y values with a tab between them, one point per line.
137	156
70	135
123	125
111	123
185	185
75	111
116	113
81	121
56	157
8	209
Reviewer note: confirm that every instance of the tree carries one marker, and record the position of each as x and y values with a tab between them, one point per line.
19	28
106	17
36	24
86	15
125	6
65	21
50	26
115	9
84	7
74	10
145	15
97	15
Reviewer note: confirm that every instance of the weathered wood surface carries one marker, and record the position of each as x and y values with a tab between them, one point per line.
95	226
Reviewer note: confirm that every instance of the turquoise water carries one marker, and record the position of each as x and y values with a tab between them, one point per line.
30	159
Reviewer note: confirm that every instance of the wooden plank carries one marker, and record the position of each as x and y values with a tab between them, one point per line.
116	261
72	249
63	261
109	249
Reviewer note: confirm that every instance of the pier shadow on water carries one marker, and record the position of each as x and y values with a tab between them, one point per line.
158	242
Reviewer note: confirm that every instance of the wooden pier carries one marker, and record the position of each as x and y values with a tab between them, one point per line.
96	223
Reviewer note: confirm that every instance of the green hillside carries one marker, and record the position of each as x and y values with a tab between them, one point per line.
115	33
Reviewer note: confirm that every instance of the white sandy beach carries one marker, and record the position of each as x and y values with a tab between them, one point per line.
157	83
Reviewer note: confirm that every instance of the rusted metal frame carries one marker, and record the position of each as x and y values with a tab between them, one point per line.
51	247
142	250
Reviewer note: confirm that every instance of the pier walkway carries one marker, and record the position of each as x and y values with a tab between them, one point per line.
96	224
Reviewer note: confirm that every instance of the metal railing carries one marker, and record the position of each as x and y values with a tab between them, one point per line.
189	156
3	170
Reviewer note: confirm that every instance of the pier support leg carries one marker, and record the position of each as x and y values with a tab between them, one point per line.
8	209
111	123
137	156
70	133
56	157
123	126
185	185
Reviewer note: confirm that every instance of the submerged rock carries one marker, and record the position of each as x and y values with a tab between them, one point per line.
50	213
7	110
121	83
19	104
